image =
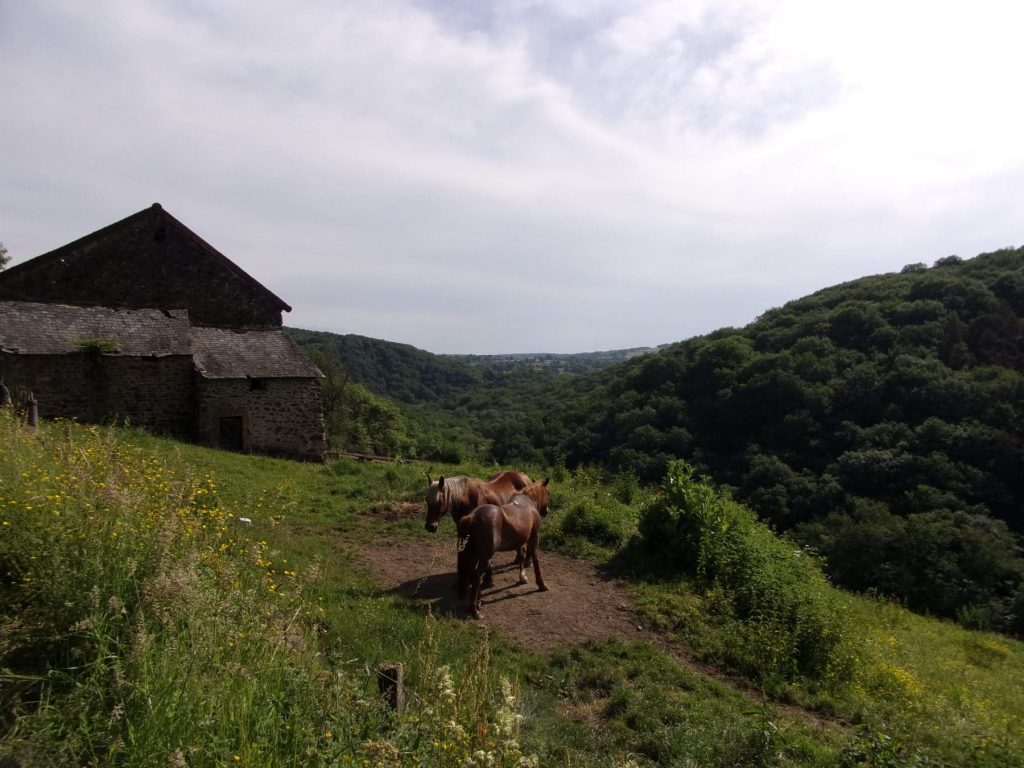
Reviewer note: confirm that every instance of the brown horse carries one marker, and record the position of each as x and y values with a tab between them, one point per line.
458	496
494	528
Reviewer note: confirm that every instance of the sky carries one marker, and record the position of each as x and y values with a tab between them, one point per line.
517	175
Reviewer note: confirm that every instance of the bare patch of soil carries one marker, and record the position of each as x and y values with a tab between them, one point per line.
582	603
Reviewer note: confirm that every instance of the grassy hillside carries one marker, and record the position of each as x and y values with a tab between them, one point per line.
140	624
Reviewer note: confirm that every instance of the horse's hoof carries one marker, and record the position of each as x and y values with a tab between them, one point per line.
543	588
477	615
523	580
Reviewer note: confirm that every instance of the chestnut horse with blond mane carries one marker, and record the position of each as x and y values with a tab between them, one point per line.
460	495
492	528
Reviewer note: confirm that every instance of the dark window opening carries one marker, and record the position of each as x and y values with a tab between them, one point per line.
258	384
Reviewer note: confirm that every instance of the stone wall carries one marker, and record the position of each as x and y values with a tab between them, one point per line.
152	392
279	416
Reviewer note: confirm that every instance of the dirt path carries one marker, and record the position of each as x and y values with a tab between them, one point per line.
581	604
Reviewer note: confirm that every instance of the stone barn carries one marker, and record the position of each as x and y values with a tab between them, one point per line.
145	322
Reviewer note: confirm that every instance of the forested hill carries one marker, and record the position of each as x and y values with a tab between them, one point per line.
580	362
883	418
410	375
399	371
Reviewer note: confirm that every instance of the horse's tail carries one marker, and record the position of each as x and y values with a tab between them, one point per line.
466	558
465	527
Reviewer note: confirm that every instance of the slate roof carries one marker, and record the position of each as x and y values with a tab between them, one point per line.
55	329
30	328
259	354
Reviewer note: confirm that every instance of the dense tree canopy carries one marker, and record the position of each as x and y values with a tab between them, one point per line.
891	407
398	371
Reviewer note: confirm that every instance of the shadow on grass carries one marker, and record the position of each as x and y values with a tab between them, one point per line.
638	561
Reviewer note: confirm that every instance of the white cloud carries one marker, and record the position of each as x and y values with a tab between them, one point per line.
640	171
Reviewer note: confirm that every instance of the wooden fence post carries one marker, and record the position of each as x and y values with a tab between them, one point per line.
391	684
33	411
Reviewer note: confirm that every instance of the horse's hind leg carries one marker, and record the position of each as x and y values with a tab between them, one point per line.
522	559
531	551
488	577
474	592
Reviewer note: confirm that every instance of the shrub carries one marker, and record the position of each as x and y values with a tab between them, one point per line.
786	623
448	452
598	524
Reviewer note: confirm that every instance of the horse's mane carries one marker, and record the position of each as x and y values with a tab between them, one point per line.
535	492
456	488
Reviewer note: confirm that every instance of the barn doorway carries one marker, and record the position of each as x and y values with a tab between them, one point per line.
230	437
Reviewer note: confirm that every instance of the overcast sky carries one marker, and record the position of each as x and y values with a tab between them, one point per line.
522	176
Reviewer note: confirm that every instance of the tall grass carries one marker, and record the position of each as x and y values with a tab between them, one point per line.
594	516
140	625
783	618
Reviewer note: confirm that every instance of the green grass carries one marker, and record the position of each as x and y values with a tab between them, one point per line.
141	625
934	684
634	702
167	645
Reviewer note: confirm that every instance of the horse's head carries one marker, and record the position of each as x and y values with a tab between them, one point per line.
539	495
435	503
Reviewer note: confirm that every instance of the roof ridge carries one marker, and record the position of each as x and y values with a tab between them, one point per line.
156	209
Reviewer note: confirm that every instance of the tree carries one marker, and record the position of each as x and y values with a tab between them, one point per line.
332	388
4	258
